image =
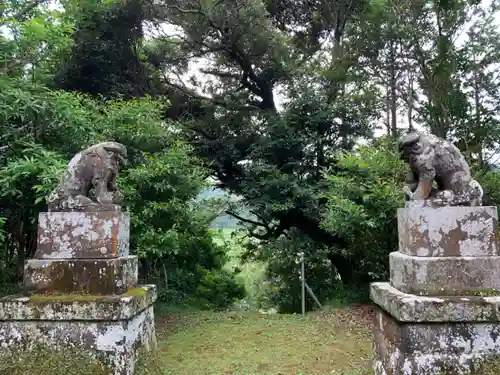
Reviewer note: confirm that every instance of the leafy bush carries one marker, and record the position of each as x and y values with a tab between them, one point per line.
218	289
283	284
169	230
490	181
362	203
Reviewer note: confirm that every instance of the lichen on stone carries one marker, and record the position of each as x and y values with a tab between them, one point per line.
487	366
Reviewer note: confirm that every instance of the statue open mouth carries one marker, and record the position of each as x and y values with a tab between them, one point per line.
112	186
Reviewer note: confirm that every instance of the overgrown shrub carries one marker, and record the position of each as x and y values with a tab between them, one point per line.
218	289
361	201
169	229
490	181
282	286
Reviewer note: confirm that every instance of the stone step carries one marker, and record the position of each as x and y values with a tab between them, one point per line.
444	276
415	335
78	307
81	276
419	309
115	328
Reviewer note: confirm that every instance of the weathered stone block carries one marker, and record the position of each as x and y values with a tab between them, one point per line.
82	276
78	307
115	336
418	309
448	231
83	235
444	276
432	348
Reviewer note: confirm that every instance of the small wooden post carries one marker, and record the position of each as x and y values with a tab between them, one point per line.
303	280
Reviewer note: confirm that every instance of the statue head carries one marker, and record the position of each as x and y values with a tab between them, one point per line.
411	145
90	179
114	151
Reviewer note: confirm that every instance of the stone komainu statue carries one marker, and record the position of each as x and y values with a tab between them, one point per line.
89	183
434	159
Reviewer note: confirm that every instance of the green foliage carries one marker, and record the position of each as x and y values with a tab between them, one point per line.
218	289
283	271
170	230
490	181
362	201
32	45
292	160
105	58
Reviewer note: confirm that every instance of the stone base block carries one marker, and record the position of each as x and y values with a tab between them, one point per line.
448	231
87	235
441	339
115	328
420	309
81	276
445	275
434	349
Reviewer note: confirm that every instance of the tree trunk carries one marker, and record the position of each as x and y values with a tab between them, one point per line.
393	88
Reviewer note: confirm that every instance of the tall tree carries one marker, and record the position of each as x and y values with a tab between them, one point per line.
273	154
106	55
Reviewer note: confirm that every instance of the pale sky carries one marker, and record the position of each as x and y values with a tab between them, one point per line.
195	66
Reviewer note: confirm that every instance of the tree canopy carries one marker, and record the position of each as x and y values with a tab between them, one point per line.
293	106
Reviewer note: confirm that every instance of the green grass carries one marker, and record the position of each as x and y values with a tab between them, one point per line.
334	342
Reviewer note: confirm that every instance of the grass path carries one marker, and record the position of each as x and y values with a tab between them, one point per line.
334	342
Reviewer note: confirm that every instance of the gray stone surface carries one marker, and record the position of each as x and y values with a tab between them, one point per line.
432	348
420	309
444	276
117	343
82	276
448	231
75	307
433	159
89	183
83	235
440	313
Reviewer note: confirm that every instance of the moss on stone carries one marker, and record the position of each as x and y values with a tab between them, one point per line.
486	293
46	361
73	297
71	361
46	298
37	314
487	366
136	292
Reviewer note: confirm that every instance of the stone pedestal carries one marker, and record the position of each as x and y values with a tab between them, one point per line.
440	312
81	290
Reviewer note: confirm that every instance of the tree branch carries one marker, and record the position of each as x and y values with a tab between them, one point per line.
221	74
28	8
249	221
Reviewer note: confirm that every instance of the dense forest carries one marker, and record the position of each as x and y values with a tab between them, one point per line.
292	106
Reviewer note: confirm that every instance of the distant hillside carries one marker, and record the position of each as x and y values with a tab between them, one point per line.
223	221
